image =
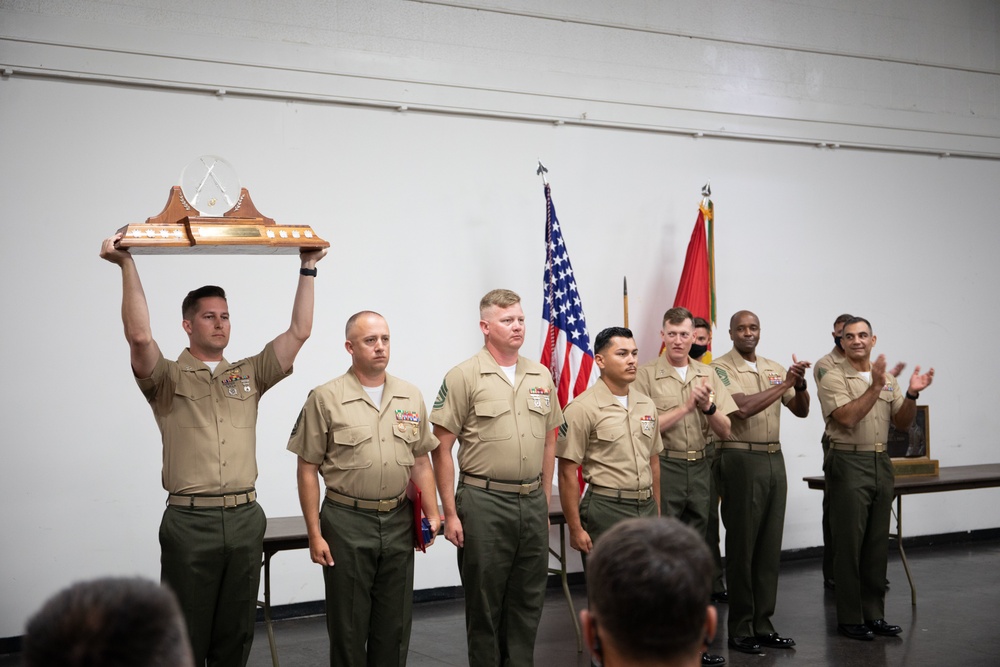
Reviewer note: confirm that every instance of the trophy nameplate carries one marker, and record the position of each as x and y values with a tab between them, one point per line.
181	228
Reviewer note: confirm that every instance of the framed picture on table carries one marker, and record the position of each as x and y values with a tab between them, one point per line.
910	450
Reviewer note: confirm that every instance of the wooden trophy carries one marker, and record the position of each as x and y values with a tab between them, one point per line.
206	215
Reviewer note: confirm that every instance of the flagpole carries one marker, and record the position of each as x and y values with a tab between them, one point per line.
625	298
550	339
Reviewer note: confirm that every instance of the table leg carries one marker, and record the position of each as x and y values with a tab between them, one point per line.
561	557
902	552
267	608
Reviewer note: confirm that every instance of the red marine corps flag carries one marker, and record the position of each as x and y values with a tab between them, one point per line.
696	289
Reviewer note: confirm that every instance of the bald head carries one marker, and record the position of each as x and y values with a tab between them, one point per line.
739	314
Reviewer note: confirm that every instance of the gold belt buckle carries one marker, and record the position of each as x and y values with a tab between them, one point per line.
772	448
225	502
385	505
692	456
879	447
525	489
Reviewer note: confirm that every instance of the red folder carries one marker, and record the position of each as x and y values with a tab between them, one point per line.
413	493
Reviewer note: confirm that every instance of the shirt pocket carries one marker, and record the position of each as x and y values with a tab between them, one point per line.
493	419
404	441
192	404
538	414
351	445
243	406
607	436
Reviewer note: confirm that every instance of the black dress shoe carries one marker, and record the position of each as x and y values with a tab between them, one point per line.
855	631
744	644
773	640
880	627
829	584
710	660
721	596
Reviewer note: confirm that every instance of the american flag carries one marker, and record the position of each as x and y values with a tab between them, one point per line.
567	352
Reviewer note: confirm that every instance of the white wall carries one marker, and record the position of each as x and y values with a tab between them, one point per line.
427	209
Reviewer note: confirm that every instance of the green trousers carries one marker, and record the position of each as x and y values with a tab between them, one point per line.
827	534
211	558
369	589
599	513
504	567
861	486
754	488
685	489
712	530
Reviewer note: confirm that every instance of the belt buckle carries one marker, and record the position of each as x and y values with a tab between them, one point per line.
525	489
645	494
772	448
692	456
385	505
225	501
879	447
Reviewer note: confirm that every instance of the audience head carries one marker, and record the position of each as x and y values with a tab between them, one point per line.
111	622
649	583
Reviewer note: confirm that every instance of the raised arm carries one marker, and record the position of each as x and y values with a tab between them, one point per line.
904	416
751	404
288	344
143	350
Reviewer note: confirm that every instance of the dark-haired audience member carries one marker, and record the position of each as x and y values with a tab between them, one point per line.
112	622
648	583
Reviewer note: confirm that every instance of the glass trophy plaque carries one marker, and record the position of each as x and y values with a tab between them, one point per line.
211	213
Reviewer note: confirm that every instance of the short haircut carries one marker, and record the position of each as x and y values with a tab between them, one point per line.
113	622
677	315
355	317
855	320
648	583
189	307
842	319
700	323
604	338
501	298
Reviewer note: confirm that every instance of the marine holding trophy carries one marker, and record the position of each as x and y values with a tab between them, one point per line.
211	534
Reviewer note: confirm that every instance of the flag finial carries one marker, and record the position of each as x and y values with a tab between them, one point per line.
706	190
541	171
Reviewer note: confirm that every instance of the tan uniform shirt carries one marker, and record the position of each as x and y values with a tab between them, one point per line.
501	428
612	444
826	362
208	420
844	384
363	450
661	382
740	378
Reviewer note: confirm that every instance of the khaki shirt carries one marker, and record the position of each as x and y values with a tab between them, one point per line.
363	450
763	427
501	428
825	363
612	444
844	384
208	420
661	382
